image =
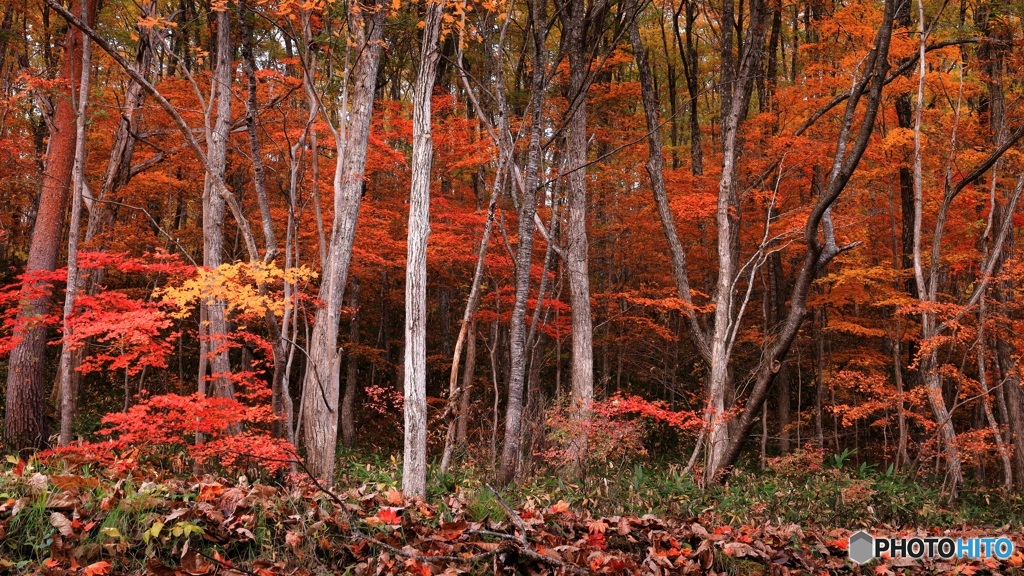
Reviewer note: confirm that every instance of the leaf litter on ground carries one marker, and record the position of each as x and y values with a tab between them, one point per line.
206	525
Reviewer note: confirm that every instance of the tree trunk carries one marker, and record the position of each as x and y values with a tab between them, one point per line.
279	395
986	401
737	86
458	399
851	146
320	392
214	205
348	400
577	245
414	464
901	412
655	171
928	363
467	386
25	422
819	394
691	70
69	391
510	452
1015	406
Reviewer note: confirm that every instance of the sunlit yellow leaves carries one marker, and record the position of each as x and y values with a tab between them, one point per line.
157	22
242	287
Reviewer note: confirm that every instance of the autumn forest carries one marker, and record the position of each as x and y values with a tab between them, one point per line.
522	285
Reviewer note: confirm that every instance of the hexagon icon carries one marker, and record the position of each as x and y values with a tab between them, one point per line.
861	547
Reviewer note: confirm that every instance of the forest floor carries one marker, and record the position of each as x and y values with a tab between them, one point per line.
791	518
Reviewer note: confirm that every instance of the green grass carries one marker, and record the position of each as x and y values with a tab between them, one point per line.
833	494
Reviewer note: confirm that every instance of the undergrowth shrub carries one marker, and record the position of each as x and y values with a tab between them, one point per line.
618	431
178	432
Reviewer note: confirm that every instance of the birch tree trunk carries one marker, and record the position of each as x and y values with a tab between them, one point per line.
929	329
736	92
458	398
819	234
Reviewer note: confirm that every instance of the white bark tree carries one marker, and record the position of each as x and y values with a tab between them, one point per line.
414	463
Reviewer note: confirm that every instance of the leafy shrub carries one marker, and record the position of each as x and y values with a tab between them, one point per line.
163	430
617	432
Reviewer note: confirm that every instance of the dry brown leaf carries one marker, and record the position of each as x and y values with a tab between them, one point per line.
61	523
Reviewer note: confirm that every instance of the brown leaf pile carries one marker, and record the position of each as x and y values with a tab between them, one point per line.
204	526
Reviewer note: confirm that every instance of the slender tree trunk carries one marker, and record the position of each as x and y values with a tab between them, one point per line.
25	423
467	386
348	400
737	86
69	391
118	173
655	171
414	464
777	314
691	70
214	204
279	399
510	453
929	364
1015	406
320	392
851	145
901	412
458	396
819	395
577	245
119	166
982	350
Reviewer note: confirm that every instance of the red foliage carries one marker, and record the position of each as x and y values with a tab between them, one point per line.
164	428
127	333
619	406
128	328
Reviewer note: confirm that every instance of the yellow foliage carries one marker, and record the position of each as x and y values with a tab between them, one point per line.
238	286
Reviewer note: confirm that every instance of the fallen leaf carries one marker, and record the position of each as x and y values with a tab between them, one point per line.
37	483
65	500
72	482
208	492
559	507
389	516
394	497
738	549
61	523
100	568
